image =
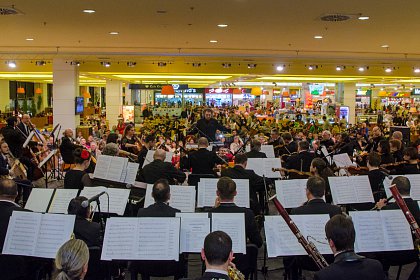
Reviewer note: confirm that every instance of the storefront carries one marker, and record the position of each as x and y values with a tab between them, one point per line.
363	97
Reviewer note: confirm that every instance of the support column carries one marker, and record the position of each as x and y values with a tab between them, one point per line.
349	99
65	90
4	95
113	101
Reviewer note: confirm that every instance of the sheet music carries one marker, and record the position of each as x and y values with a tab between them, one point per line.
148	199
102	166
36	234
387	184
131	172
351	189
194	229
47	158
378	231
342	160
326	154
264	166
120	236
116	168
149	157
234	225
415	185
182	198
39	199
256	164
61	200
268	150
291	193
117	198
282	242
207	188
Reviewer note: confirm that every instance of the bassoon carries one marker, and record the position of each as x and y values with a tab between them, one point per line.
309	247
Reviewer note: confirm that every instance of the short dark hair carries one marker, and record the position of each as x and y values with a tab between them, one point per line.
403	185
161	190
374	159
340	230
217	247
8	187
255	145
385	148
304	145
150	138
75	207
395	143
11	121
112	138
241	158
411	152
226	188
287	136
316	186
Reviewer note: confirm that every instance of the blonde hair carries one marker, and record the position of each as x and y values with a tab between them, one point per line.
70	260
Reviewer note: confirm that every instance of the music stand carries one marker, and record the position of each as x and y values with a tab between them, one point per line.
43	162
28	139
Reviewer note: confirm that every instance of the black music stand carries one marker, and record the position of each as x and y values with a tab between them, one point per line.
43	164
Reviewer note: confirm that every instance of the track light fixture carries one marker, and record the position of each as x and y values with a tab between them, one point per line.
161	64
252	65
312	67
11	64
340	67
416	70
280	68
131	64
106	63
196	64
75	63
226	65
40	63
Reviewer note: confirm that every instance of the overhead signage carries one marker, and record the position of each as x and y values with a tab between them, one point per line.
157	86
416	91
316	89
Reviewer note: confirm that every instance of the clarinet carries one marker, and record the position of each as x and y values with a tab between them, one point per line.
410	218
309	247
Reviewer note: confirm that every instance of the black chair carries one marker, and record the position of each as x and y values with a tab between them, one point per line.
97	269
193	179
247	263
149	269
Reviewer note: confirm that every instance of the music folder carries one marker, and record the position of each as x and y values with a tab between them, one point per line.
182	198
117	198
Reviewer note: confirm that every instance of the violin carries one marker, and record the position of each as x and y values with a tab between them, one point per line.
303	173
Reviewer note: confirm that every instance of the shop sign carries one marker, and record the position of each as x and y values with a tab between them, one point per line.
416	91
157	86
225	90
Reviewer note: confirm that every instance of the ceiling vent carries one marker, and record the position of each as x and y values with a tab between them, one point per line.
9	11
335	17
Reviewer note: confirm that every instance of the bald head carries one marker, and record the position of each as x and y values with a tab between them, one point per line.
203	142
68	132
159	154
8	190
26	119
397	135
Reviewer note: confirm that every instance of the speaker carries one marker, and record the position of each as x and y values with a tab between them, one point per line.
405	132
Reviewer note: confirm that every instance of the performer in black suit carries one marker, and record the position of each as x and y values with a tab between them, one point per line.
202	161
68	146
11	267
25	125
161	193
326	140
376	176
315	190
408	256
301	161
207	126
255	150
159	169
89	232
256	182
277	142
13	137
374	141
226	192
290	144
150	142
217	255
411	167
347	264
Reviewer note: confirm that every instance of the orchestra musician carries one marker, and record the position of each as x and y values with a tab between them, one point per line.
255	151
374	141
320	168
376	176
25	125
290	144
149	144
78	178
395	149
67	147
128	141
384	150
411	162
159	169
256	182
300	161
347	264
397	135
277	142
326	140
207	126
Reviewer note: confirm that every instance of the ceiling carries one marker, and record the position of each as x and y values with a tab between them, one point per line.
265	32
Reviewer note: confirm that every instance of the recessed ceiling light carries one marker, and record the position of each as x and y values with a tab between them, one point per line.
339	68
114	33
131	64
29	39
252	65
318	37
222	25
11	64
416	70
213	41
40	63
280	68
89	11
388	70
363	17
385	46
106	63
362	69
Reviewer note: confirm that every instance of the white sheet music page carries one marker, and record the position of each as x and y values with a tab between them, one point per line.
291	193
149	157
362	187
102	166
268	150
242	189
120	237
342	160
351	189
282	242
378	231
116	168
194	229
256	164
89	192
158	239
269	164
148	199
54	231
118	199
415	185
326	154
39	199
22	233
234	225
131	173
207	192
61	200
183	198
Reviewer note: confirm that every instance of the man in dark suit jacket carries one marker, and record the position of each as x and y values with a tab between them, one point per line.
255	150
89	232
207	126
67	146
25	125
256	182
11	267
13	137
301	161
217	254
347	264
159	169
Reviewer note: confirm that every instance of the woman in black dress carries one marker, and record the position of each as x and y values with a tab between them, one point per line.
77	178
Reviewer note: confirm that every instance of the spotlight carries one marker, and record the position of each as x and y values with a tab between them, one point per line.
416	70
131	64
362	69
11	64
106	64
74	62
161	64
312	67
388	70
226	65
339	68
252	65
196	64
40	63
280	68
